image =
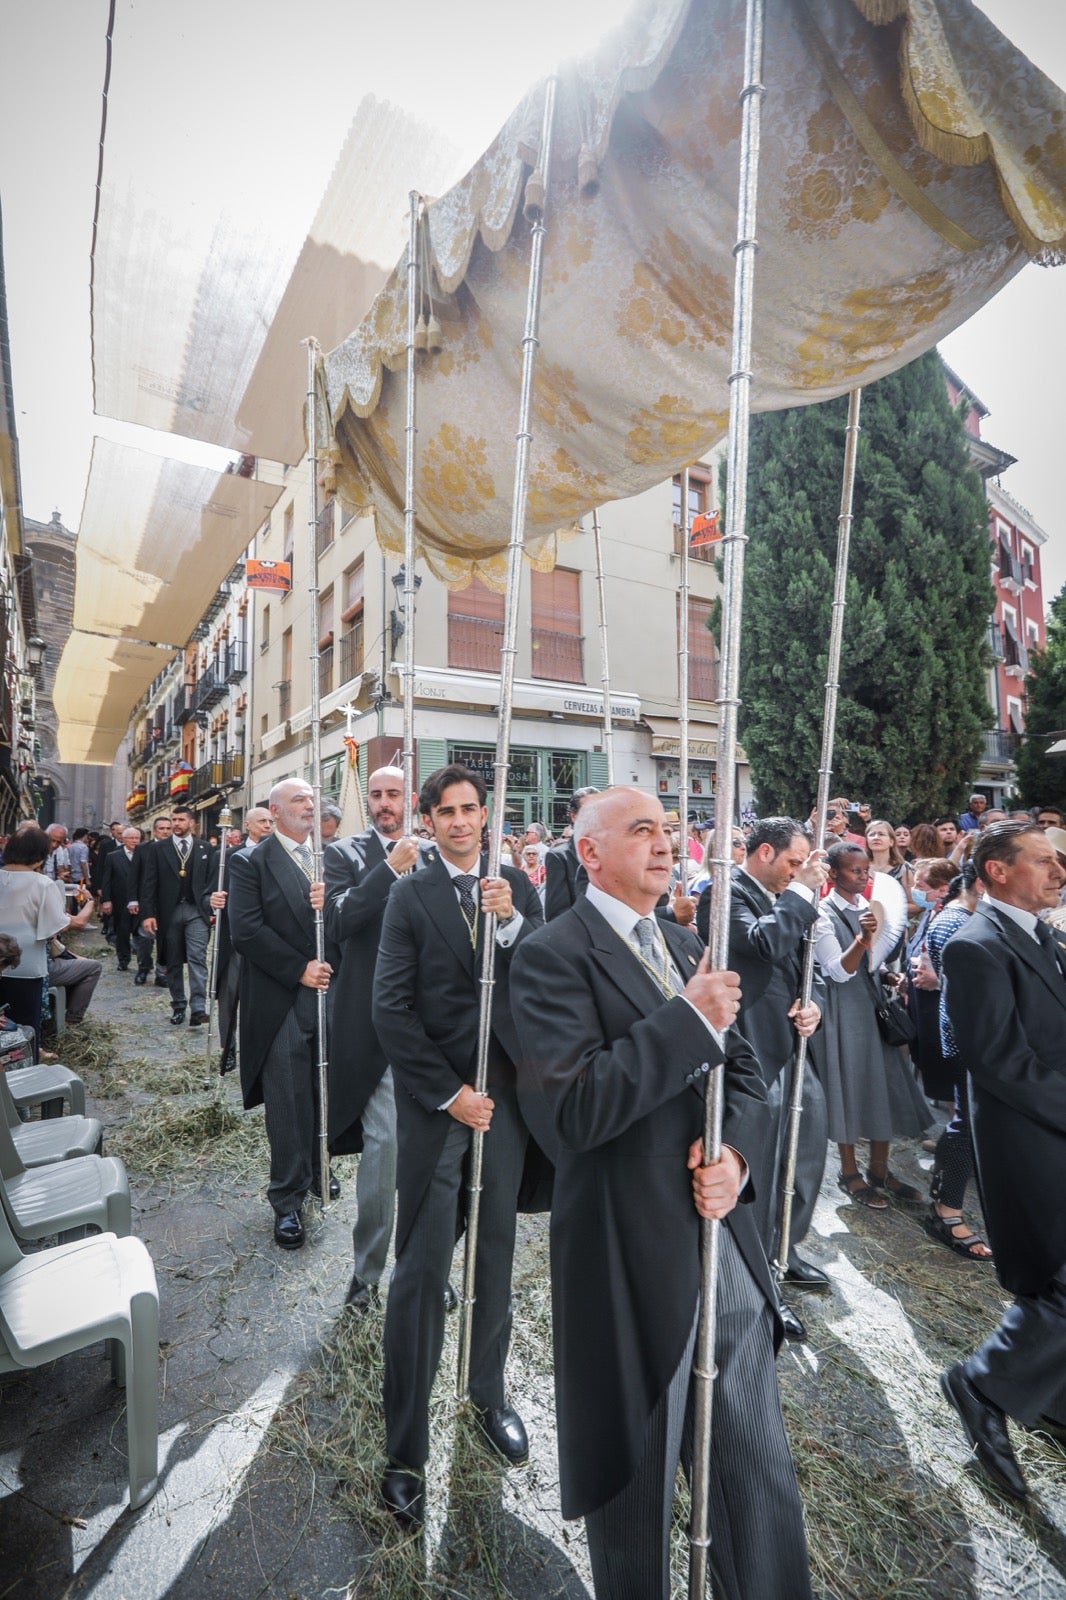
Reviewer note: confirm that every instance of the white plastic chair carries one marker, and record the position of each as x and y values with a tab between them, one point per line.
37	1085
38	1144
54	1302
90	1192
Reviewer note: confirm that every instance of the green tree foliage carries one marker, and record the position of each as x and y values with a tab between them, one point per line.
1041	778
913	702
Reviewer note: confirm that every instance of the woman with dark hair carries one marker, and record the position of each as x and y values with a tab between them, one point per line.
870	1091
953	1159
33	911
926	843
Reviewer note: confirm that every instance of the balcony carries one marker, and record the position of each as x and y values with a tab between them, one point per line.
474	643
702	678
284	701
995	641
183	706
236	661
324	529
559	656
1000	746
210	689
1010	572
351	652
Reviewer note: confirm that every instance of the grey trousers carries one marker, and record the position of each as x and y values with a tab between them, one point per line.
78	975
290	1103
810	1161
1021	1367
375	1183
414	1316
186	945
758	1548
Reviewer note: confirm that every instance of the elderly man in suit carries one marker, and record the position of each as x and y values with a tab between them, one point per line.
175	901
425	1012
1006	997
118	890
359	875
271	905
620	1021
772	905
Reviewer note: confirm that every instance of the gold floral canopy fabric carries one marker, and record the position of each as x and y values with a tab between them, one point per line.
912	161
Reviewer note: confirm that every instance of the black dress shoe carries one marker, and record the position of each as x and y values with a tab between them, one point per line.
161	983
451	1299
404	1494
795	1330
140	979
177	1016
197	1019
361	1296
801	1275
288	1230
123	966
505	1431
986	1429
334	1186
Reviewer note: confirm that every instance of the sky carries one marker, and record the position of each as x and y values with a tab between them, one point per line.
1012	354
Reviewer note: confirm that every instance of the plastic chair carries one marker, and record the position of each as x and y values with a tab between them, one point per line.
35	1086
91	1192
38	1144
54	1302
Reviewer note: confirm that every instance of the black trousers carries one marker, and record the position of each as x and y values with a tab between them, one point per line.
1021	1367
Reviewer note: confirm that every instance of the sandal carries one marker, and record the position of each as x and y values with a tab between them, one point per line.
863	1193
897	1188
942	1229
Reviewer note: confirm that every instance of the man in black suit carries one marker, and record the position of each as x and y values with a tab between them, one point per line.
1006	998
620	1021
425	1012
564	876
117	886
258	823
772	904
359	874
175	902
149	949
270	907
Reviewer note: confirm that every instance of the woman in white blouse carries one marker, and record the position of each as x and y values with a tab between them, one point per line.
870	1089
33	911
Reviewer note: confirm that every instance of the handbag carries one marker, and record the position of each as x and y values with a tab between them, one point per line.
894	1022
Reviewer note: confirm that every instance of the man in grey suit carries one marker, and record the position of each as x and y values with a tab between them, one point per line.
620	1021
772	905
1006	998
359	874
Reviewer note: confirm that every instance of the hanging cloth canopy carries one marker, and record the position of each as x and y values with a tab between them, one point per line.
912	162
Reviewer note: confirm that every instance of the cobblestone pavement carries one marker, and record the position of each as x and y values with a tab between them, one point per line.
269	1428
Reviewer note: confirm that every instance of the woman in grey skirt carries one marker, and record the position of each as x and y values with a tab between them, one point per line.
870	1090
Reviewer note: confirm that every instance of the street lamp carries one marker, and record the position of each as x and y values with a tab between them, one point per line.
396	622
35	649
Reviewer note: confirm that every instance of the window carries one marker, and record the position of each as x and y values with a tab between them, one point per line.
264	632
290	540
352	623
557	641
702	655
699	505
325	526
285	686
325	641
475	627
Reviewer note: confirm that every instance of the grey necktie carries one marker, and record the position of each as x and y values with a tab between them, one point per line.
1051	945
183	850
464	882
305	858
650	945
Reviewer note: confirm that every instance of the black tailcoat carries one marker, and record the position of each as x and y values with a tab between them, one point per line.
1007	1004
118	883
766	950
620	1071
425	1012
565	879
272	928
161	883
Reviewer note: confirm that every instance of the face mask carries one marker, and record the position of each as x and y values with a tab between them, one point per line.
920	898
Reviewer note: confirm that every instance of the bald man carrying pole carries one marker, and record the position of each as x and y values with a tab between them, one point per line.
620	1021
271	905
359	874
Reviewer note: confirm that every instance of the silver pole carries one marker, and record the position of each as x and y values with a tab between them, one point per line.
224	820
410	435
825	772
682	668
501	766
704	1370
316	756
605	667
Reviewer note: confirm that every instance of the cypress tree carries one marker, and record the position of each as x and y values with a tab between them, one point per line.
913	702
1042	778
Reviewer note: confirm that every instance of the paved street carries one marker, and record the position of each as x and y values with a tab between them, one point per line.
270	1428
